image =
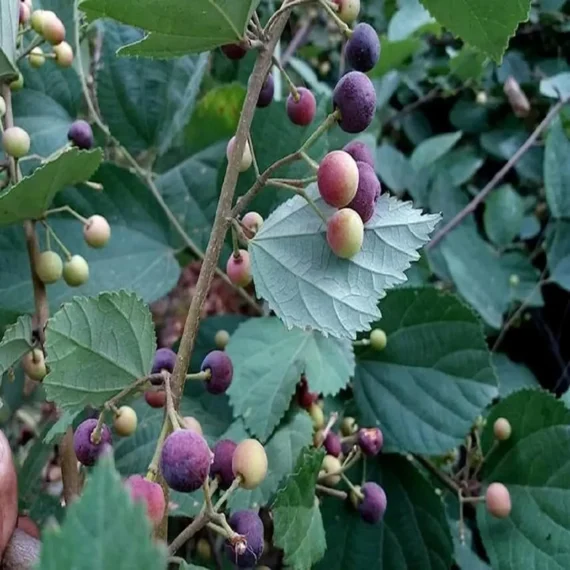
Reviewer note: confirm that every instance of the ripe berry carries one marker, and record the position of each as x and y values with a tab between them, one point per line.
305	398
330	465
337	178
222	466
239	269
332	444
221	371
348	426
97	231
378	339
247	158
191	423
373	506
25	13
185	460
370	441
2	107
252	221
49	267
63	54
164	359
245	552
151	494
345	233
360	152
234	51
53	29
221	339
34	364
16	142
267	92
81	134
36	57
155	398
348	10
498	500
18	83
363	48
317	415
250	463
303	111
502	429
126	421
364	203
86	450
355	98
75	271
37	21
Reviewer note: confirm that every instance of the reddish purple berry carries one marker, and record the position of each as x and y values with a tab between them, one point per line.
150	493
234	51
370	441
86	451
81	134
185	460
246	552
363	48
364	203
267	92
222	466
238	268
164	359
355	98
360	152
221	371
373	506
155	398
305	398
303	111
337	178
332	444
345	233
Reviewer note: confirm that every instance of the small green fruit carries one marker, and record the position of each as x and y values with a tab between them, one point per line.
331	464
249	461
222	339
17	84
34	364
2	107
49	267
203	549
126	421
37	21
36	57
378	339
16	142
514	280
317	415
76	271
348	426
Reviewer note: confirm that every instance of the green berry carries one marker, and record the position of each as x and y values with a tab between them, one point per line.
97	231
317	415
17	84
16	142
34	364
378	339
36	57
502	429
514	280
249	461
76	271
126	421
348	10
2	107
345	233
49	267
331	464
203	549
348	426
63	54
37	21
221	339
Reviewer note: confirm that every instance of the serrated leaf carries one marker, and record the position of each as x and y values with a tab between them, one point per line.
32	196
557	86
504	213
15	343
534	466
306	285
512	376
558	248
557	171
96	346
60	427
268	362
298	525
432	149
103	529
411	18
9	20
176	28
434	377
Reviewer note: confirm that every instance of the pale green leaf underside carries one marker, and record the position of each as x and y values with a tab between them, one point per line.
9	19
15	343
308	286
557	171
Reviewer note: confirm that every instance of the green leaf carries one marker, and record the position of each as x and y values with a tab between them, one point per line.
97	346
103	529
393	167
434	377
459	166
268	362
557	171
186	566
395	54
485	24
504	213
9	20
468	64
306	285
60	427
432	149
409	19
15	343
557	86
512	376
558	248
533	464
32	196
176	28
298	526
145	103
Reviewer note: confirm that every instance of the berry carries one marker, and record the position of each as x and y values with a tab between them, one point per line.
245	552
337	178
363	48
498	500
34	364
36	57
49	267
345	233
221	371
370	441
305	398
97	231
330	464
317	415
234	51
246	159
185	460
191	423
378	339
75	271
348	10
88	451
332	444
63	54
2	107
360	152
481	98
373	506
250	463
53	29
502	429
203	549
364	203
164	359
18	83
81	134
239	269
302	112
354	97
25	13
16	142
126	421
348	426
222	466
252	221
151	494
267	92
514	280
221	339
155	398
37	21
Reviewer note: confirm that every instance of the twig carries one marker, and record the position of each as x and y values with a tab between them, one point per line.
332	492
196	525
445	479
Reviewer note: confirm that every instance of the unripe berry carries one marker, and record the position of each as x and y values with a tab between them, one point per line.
238	269
363	48
34	364
81	134
332	444
63	54
25	13
302	112
267	92
317	415
185	460
86	450
252	221
234	51
345	233
250	463
75	271
378	339
151	494
373	506
514	280
337	178
348	10
482	98
36	57
502	429
370	441
37	21
164	359
498	500
360	152
355	98
222	466
330	465
246	159
364	202
203	549
221	371
126	421
155	398
348	426
246	552
49	267
221	339
16	142
18	83
191	423
53	29
97	231
2	107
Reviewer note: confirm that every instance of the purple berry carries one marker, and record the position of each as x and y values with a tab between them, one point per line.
370	441
354	97
221	371
368	192
267	91
222	466
81	134
360	152
373	506
332	444
363	48
164	359
303	111
234	51
246	552
86	451
185	460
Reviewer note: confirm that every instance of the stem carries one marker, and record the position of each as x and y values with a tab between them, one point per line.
283	11
67	209
445	479
95	436
325	126
33	44
352	458
332	492
343	27
328	427
235	243
131	388
196	525
217	529
309	161
352	487
56	239
300	192
235	484
202	376
170	410
254	158
298	40
152	470
292	86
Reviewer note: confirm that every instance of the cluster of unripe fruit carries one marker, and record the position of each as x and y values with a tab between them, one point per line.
238	267
497	496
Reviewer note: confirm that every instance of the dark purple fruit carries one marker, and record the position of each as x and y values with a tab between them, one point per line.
303	111
363	48
81	134
332	444
86	451
367	194
221	371
373	505
355	98
267	92
360	152
370	441
222	466
234	51
164	359
246	552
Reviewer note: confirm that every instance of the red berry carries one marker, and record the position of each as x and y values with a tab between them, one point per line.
234	51
332	444
303	111
252	221
345	233
239	269
355	98
53	29
150	493
364	202
155	399
337	178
